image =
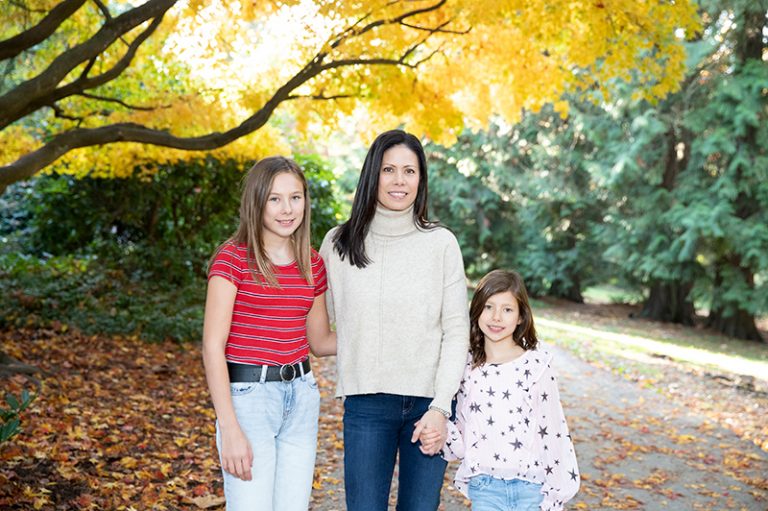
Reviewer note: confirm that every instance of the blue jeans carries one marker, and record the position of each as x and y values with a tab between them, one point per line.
376	427
280	421
490	494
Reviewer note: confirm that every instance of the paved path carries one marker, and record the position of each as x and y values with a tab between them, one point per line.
636	450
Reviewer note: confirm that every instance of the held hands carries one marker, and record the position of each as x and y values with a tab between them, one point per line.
431	432
236	453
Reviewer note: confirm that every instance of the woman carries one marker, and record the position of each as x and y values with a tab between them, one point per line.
397	293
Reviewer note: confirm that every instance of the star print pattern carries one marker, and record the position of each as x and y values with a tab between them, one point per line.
526	438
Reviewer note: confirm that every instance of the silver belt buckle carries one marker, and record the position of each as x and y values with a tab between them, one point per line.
282	375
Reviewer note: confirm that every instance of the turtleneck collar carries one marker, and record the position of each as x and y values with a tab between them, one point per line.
392	223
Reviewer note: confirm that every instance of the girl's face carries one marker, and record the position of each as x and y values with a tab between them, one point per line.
500	317
398	178
284	209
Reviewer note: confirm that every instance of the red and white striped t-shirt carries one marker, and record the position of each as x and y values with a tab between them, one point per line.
269	325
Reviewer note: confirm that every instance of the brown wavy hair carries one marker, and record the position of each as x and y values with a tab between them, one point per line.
500	281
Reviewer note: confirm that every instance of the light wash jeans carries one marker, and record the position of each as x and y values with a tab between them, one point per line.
280	421
491	494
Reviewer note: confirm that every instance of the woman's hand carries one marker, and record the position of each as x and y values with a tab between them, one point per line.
430	423
429	439
236	454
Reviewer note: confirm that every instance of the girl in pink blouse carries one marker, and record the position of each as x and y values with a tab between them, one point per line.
509	429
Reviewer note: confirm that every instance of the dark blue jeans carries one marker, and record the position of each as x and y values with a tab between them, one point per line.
376	427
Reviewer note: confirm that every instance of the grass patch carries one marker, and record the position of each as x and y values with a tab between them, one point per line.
647	341
607	293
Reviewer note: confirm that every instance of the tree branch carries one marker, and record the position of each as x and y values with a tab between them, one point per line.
59	145
27	165
32	91
319	97
11	47
351	32
104	10
437	29
121	102
59	112
83	82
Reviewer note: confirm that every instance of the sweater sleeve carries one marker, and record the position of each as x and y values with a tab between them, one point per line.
454	447
454	319
561	480
326	253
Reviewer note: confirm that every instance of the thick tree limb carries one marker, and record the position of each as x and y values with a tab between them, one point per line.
42	91
40	32
16	101
83	82
10	366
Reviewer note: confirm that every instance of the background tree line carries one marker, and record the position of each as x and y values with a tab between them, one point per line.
666	197
670	199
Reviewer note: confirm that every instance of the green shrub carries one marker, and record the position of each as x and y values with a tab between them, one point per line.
10	422
81	293
127	256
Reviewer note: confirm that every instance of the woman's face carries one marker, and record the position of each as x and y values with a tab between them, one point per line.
398	178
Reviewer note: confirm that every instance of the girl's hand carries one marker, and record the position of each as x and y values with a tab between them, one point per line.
236	454
432	420
429	438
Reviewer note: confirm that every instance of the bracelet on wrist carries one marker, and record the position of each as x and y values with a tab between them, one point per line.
439	410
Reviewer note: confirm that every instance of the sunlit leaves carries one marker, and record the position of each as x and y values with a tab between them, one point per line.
433	66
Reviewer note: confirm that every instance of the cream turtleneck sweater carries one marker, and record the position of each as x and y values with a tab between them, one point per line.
402	321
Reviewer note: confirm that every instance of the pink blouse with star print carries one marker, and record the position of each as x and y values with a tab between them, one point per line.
509	424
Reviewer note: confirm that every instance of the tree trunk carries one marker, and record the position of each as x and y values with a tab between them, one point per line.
10	366
668	302
740	325
571	292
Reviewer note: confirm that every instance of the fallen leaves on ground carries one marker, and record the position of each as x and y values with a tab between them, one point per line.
119	424
125	425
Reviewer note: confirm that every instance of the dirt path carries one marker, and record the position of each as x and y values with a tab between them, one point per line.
636	450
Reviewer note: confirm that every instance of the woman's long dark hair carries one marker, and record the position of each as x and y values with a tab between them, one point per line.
349	240
500	281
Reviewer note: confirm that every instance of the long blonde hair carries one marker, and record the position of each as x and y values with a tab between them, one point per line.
257	184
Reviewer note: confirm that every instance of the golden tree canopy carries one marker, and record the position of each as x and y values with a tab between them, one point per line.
97	86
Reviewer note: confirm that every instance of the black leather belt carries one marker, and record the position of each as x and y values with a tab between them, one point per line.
247	372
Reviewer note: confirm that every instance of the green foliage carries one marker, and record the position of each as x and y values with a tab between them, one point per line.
67	292
523	198
326	209
689	205
462	198
10	422
127	256
668	197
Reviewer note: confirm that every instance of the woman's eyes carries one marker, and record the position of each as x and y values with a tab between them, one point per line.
409	171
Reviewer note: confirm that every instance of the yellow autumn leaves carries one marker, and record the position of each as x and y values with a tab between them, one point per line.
213	64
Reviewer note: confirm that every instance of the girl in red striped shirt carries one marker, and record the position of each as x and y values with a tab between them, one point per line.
265	309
